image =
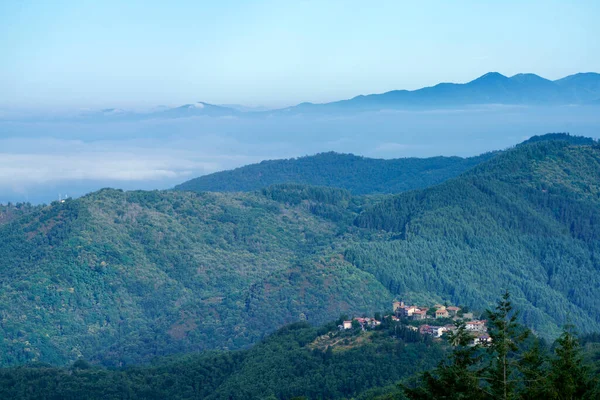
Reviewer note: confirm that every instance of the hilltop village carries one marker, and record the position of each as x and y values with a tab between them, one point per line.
432	321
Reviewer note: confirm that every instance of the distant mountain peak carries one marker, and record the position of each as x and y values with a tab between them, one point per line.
528	78
579	77
493	74
490	76
582	75
527	75
199	105
560	136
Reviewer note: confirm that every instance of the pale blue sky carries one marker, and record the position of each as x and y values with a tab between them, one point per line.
88	53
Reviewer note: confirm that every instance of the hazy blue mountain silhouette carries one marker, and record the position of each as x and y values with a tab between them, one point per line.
491	88
196	109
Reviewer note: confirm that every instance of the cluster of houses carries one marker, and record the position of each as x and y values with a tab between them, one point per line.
417	313
363	322
477	328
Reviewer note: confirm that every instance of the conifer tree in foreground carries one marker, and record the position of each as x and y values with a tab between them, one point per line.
533	368
510	367
569	376
456	378
506	336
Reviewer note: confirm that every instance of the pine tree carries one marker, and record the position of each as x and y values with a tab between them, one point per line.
533	367
506	335
456	378
569	375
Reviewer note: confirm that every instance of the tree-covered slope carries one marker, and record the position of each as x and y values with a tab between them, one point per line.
285	365
120	277
389	361
9	212
527	220
359	175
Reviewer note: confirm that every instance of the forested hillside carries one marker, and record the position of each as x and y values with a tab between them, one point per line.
527	220
299	361
121	277
359	175
10	212
285	365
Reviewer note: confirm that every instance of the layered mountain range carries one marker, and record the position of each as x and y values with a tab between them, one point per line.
121	277
490	89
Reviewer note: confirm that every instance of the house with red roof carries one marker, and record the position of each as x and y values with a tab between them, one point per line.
441	312
424	329
453	310
419	315
476	326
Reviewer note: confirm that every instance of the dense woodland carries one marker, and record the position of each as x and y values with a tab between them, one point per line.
359	175
528	218
285	365
119	278
10	212
300	361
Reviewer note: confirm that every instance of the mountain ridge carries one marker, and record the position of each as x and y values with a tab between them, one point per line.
492	88
540	216
102	276
346	171
518	89
358	174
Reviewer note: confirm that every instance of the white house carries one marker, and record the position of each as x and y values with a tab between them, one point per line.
476	326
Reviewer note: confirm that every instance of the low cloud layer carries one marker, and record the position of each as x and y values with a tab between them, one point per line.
42	168
41	160
38	169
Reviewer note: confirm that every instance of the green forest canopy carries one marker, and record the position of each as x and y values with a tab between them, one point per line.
122	277
359	175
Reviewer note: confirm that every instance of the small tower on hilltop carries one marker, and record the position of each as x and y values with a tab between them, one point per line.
397	305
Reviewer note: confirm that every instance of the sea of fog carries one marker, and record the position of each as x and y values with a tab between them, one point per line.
41	160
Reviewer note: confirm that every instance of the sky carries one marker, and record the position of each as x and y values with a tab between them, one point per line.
92	54
59	59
